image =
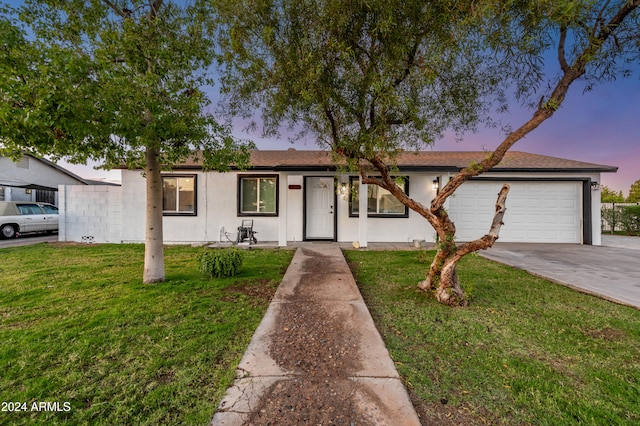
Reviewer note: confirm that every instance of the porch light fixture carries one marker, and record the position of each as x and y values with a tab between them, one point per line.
436	184
595	186
342	190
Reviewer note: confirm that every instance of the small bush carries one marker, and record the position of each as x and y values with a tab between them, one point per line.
630	219
611	217
220	263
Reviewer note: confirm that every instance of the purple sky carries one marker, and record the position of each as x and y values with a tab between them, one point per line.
601	126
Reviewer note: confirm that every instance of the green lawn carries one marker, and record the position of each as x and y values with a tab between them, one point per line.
79	328
526	351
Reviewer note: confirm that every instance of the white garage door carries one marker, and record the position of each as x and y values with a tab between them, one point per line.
537	212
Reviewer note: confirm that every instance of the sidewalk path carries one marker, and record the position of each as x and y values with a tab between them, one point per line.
317	357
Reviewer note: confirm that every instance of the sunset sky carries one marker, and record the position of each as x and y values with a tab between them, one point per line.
601	126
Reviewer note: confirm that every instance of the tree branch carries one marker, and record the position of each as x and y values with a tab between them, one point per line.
388	183
332	123
561	54
545	109
407	70
488	239
599	19
116	9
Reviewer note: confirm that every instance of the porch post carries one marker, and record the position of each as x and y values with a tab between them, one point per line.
363	237
282	209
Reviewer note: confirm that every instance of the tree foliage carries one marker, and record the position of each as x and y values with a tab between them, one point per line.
103	81
610	196
120	82
371	79
634	193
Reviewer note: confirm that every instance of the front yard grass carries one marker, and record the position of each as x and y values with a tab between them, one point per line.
525	352
79	327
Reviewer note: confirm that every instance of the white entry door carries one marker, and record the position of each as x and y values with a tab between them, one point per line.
319	208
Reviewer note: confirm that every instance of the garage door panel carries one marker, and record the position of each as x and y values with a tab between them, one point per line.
536	211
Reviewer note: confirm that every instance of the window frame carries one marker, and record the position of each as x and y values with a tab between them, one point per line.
195	195
242	213
355	180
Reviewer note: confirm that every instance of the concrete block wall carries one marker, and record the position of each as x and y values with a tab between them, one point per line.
90	213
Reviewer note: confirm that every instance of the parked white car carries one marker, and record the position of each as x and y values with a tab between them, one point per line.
20	217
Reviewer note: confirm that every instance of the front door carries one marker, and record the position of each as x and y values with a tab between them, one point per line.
319	201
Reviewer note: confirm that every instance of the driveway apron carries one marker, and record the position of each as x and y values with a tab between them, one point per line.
612	273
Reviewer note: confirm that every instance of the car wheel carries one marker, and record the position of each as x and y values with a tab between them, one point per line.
7	231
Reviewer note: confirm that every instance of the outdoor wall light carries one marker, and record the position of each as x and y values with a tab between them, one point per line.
436	184
595	186
342	190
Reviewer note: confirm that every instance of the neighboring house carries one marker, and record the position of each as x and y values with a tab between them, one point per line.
34	179
301	195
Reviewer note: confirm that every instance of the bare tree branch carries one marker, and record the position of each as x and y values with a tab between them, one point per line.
599	19
488	239
387	182
561	54
116	9
544	111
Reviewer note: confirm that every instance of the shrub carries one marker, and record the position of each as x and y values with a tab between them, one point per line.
630	220
220	263
611	217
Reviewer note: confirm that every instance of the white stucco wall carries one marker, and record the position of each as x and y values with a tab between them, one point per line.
90	213
217	210
389	229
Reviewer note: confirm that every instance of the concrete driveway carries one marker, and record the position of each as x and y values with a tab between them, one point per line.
29	239
612	273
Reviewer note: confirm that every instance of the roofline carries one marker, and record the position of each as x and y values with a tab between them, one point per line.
443	169
59	168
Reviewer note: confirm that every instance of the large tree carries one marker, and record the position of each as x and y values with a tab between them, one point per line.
120	82
371	79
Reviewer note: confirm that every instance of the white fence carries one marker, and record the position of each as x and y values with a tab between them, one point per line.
610	213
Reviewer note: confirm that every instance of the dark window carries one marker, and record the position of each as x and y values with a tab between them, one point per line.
380	202
179	195
45	196
50	209
257	195
29	209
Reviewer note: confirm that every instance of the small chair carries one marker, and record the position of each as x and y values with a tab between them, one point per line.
245	231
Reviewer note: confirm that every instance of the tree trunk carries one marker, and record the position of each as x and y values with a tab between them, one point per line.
153	247
442	276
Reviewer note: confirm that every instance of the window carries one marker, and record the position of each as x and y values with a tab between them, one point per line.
179	195
380	202
1	193
257	195
50	209
29	209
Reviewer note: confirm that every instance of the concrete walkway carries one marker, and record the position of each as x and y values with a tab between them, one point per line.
612	273
319	278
